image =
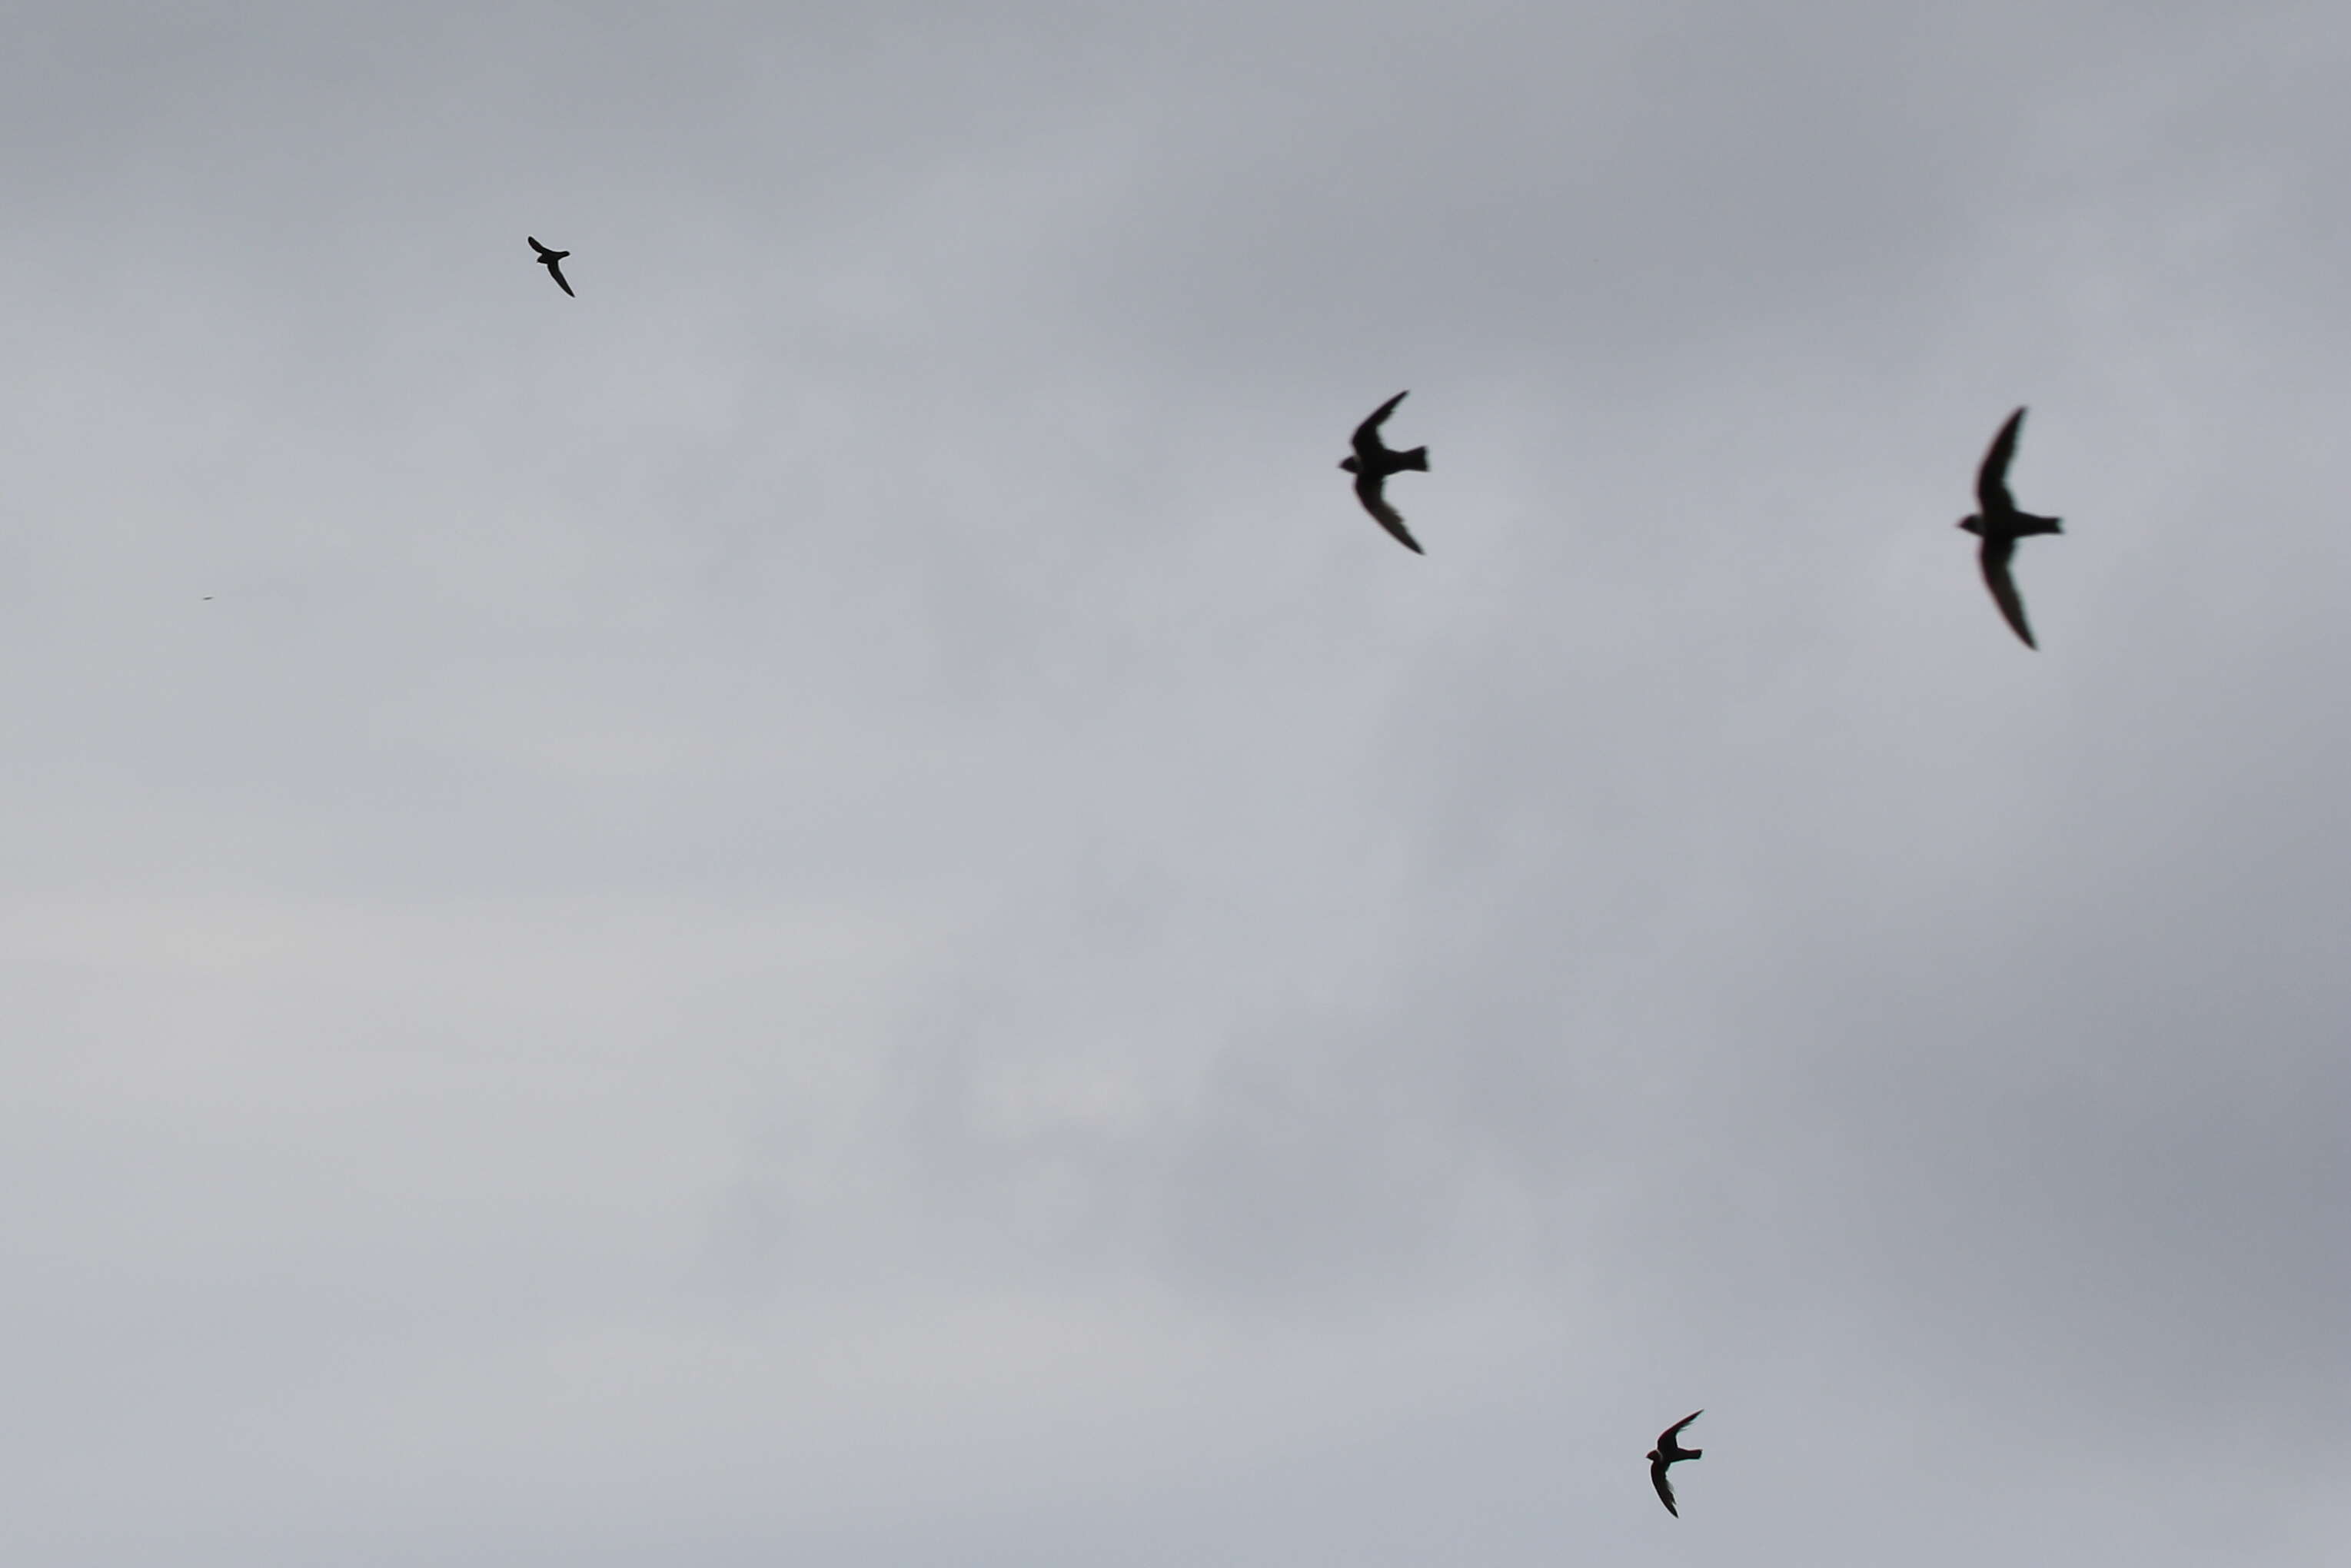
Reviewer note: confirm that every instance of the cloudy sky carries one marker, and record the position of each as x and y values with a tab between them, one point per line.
832	905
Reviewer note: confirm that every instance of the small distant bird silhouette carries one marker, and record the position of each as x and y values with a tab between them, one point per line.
552	260
2000	525
1666	1453
1371	465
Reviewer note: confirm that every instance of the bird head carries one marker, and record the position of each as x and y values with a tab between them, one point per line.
1651	1455
1348	465
1973	523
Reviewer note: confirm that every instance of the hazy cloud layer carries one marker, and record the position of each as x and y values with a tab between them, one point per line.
833	904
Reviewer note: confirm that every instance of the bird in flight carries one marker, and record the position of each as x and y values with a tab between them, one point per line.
2000	525
1670	1452
1371	465
553	261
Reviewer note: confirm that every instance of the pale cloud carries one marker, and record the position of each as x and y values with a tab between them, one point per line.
834	903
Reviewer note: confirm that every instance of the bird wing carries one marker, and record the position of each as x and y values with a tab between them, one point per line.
555	270
543	252
1991	479
1370	490
1367	434
1665	1438
1665	1487
1996	554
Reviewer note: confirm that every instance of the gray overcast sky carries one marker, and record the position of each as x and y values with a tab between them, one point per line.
832	905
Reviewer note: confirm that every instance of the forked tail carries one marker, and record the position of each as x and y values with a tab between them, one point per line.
1416	458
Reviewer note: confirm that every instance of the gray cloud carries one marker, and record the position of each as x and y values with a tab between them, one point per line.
833	901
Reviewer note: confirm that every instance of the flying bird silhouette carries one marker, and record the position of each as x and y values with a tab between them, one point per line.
552	260
1668	1453
2000	525
1371	465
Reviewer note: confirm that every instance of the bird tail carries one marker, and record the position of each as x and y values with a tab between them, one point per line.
1417	458
2029	524
1693	1453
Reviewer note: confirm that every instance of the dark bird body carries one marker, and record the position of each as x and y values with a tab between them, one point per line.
552	260
1669	1452
2000	525
1371	465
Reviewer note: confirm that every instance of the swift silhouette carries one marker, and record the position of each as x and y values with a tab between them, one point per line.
1371	465
552	260
1668	1452
2000	525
